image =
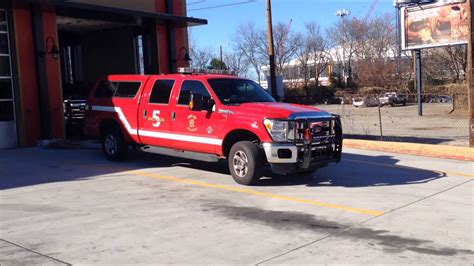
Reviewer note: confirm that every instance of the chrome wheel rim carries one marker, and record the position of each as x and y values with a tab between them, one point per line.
241	163
111	145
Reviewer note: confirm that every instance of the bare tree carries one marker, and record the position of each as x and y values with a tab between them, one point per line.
376	51
318	46
286	45
237	62
246	41
201	56
446	63
344	36
303	55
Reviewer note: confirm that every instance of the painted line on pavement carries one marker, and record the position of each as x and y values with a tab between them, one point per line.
257	193
412	168
237	189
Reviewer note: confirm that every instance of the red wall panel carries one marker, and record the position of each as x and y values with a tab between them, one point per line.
29	120
181	35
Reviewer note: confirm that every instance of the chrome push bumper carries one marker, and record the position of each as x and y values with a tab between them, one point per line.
292	158
312	149
272	153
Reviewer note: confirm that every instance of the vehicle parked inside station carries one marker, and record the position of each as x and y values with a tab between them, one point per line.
74	115
210	117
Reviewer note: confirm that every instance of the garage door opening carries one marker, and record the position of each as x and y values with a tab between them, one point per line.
90	50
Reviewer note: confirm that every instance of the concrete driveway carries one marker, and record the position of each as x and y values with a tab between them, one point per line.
73	207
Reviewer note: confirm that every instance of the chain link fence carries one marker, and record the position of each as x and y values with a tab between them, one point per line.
444	121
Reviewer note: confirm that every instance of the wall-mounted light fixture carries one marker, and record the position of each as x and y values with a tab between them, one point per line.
187	59
54	51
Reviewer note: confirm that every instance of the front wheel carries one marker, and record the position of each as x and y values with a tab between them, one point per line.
113	145
245	163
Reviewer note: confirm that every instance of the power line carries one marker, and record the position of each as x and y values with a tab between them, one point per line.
226	5
196	2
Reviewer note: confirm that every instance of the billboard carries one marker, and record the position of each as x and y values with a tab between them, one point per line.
426	26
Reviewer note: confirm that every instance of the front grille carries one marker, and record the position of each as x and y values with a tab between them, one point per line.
75	109
318	139
316	130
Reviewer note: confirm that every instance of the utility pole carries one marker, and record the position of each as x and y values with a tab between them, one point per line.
222	62
470	74
343	13
271	53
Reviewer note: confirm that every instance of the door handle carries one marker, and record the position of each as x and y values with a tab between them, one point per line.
173	115
144	113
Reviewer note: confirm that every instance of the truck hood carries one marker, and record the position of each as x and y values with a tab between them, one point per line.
276	110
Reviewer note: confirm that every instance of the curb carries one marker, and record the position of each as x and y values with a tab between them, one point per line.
429	150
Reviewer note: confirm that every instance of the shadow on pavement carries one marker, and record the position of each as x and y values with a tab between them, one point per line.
35	166
360	171
420	140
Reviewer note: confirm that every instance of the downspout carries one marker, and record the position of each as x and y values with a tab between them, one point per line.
41	74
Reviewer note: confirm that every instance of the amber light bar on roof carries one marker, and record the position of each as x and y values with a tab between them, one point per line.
191	70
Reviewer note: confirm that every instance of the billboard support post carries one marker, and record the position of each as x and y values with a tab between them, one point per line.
469	76
418	81
399	41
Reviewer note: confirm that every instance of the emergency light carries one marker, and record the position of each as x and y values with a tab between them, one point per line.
191	70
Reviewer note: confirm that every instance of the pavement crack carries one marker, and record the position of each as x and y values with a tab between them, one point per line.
33	251
416	201
355	227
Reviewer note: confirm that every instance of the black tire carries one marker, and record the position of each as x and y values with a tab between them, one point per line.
113	145
245	163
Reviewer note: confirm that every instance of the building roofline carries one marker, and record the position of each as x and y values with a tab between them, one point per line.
179	20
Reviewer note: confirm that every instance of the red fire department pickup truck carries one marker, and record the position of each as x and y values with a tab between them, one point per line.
211	117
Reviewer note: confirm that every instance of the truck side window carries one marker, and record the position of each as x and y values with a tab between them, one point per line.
195	87
161	91
109	89
105	89
127	89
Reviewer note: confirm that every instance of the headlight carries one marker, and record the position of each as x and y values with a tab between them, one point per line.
280	131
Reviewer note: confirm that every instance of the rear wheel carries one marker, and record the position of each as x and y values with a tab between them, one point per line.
245	163
113	145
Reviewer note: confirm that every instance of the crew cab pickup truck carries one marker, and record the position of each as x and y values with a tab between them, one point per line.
210	117
392	99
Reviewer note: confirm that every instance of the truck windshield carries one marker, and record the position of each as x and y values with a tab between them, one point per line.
238	91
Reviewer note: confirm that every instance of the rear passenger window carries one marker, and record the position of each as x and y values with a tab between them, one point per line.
192	86
105	89
109	89
161	91
127	89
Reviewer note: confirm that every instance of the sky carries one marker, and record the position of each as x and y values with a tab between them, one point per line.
222	22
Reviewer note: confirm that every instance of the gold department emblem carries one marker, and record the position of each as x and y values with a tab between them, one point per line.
192	123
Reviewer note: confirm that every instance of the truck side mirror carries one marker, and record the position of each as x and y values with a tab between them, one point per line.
196	101
211	105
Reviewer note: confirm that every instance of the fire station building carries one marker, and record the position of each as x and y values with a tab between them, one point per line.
56	50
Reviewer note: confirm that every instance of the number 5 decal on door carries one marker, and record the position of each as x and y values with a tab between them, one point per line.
156	119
